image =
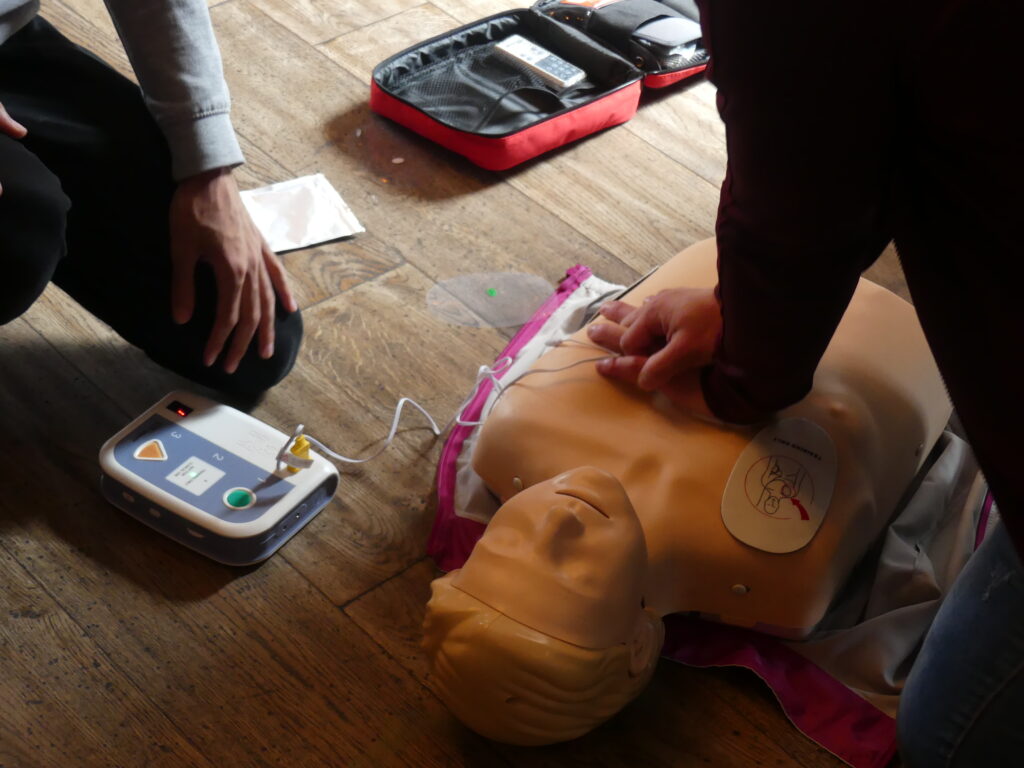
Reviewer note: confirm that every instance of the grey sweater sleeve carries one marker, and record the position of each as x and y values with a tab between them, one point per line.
174	53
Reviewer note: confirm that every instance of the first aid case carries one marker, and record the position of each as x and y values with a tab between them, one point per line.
460	90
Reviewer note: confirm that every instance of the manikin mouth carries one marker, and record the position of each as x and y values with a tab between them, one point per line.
578	495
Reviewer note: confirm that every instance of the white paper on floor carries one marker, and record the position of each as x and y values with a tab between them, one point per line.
300	212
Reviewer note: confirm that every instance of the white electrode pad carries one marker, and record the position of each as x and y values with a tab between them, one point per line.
781	486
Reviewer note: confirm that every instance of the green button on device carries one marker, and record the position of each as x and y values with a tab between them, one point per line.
239	498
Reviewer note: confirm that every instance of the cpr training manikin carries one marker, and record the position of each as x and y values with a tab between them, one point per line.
619	509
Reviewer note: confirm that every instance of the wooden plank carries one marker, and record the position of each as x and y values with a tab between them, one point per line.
468	11
261	168
93	11
759	710
319	272
318	20
631	208
87	23
323	271
361	50
685	717
620	192
682	121
439	212
63	699
614	188
256	666
369	347
393	613
363	351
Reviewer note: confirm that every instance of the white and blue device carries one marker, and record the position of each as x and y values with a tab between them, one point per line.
208	476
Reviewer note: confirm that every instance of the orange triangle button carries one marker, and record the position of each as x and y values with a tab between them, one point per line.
151	451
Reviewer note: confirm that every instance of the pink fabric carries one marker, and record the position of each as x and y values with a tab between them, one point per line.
453	537
818	705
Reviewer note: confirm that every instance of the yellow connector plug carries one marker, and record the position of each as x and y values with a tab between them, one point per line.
301	449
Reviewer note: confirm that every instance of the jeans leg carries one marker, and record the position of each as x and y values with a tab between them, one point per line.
963	704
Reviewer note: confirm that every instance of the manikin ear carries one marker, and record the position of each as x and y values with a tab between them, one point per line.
645	642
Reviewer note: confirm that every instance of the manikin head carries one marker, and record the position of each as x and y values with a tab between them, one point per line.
542	635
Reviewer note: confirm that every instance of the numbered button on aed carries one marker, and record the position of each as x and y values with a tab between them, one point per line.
239	498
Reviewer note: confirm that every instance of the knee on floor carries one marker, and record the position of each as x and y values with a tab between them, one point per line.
33	213
256	375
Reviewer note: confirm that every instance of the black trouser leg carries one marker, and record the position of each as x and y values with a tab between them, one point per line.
33	210
89	128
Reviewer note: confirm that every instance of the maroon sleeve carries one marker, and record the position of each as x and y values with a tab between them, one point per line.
803	205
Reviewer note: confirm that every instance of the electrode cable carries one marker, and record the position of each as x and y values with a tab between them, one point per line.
484	374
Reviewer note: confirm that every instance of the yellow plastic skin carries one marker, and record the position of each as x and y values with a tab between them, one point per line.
560	592
513	684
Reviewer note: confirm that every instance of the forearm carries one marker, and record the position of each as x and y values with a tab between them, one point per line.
803	208
175	56
779	312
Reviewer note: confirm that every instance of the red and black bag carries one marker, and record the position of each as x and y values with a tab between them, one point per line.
454	89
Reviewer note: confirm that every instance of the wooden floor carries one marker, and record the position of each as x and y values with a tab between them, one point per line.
120	648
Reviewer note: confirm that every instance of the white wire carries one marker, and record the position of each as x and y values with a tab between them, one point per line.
484	373
290	459
503	388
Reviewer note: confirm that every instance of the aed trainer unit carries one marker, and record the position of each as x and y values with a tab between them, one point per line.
208	476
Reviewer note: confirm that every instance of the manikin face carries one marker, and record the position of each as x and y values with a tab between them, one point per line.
565	557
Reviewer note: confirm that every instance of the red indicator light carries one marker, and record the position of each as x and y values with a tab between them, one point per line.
179	408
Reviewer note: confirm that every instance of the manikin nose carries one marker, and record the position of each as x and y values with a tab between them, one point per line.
560	530
562	521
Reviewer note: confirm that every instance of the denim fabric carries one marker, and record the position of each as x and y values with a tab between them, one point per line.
963	705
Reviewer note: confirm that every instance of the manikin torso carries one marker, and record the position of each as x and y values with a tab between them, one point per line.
877	394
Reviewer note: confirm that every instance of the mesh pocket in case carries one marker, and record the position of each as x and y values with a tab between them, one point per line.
455	90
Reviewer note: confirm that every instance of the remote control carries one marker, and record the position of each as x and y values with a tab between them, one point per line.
553	70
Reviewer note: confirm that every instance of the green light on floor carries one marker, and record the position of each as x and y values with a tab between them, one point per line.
492	291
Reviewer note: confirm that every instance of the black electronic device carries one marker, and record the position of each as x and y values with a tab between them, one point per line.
671	40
